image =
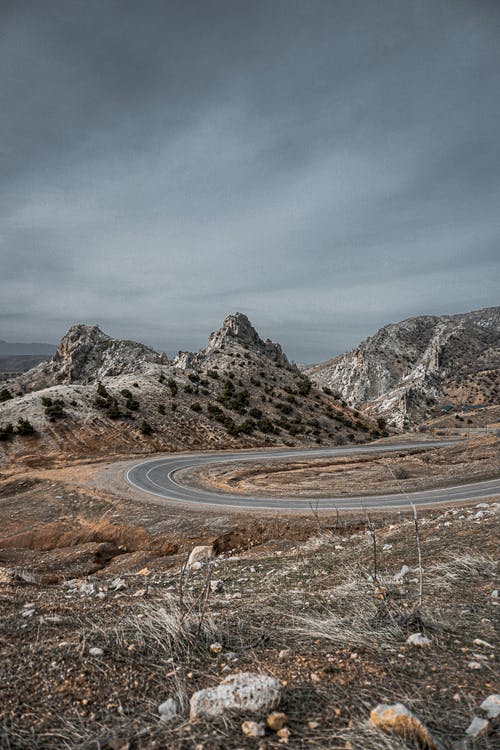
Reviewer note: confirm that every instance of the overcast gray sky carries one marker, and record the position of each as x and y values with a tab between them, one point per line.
324	167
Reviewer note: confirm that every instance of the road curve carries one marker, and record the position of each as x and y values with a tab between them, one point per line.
157	477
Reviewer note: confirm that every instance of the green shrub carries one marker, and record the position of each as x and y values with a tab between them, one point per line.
146	428
6	432
173	386
53	409
24	427
101	390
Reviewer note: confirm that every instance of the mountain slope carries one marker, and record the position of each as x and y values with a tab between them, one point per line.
408	371
99	395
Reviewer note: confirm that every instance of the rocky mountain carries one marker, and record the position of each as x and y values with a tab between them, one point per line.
236	332
99	395
408	372
86	354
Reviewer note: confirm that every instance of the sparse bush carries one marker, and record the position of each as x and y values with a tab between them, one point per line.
101	390
173	386
146	428
284	408
6	432
24	427
161	408
196	406
5	395
193	377
304	387
53	409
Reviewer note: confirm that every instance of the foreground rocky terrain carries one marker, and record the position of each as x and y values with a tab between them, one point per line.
102	396
409	372
108	632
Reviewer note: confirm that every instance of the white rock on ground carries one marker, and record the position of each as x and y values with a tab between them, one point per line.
168	710
491	706
398	719
201	554
405	570
418	639
243	692
478	727
96	651
475	665
253	728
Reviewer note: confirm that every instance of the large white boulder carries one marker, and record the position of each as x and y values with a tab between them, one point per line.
202	553
245	692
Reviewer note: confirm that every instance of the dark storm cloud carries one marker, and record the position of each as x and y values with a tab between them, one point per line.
325	167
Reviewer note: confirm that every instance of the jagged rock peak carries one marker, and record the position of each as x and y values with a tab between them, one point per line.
77	336
237	328
86	354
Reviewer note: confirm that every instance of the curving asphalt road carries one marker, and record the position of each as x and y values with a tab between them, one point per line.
157	477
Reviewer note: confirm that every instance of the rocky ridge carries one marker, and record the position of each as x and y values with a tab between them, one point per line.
408	371
100	395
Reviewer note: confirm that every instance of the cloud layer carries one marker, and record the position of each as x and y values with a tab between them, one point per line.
325	167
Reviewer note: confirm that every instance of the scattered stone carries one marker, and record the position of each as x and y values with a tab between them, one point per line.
276	720
96	651
118	743
253	728
284	654
400	720
475	665
480	642
494	594
478	727
313	724
244	692
405	570
418	639
168	710
117	584
491	705
27	613
215	648
284	735
231	656
201	554
216	586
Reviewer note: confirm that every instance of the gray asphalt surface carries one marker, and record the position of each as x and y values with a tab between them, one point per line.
158	477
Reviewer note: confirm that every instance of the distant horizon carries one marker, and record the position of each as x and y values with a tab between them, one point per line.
172	351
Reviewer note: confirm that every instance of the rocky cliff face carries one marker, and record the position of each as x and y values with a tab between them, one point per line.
86	354
407	371
236	333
